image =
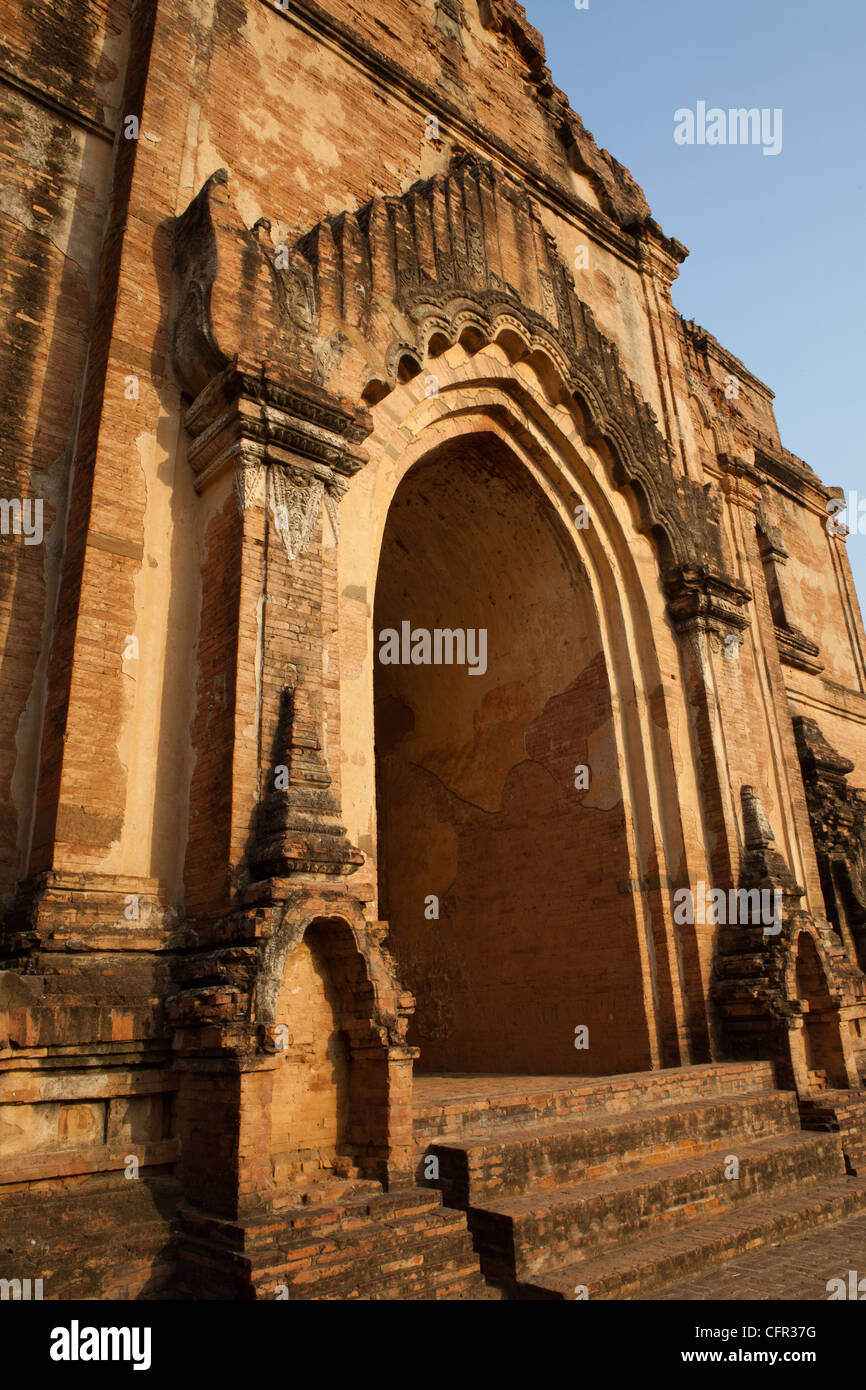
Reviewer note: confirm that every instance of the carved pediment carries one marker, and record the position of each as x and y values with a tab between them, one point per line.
463	256
238	293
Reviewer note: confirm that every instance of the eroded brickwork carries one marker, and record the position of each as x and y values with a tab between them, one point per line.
298	348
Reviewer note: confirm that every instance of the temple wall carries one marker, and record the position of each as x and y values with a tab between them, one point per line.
170	650
61	75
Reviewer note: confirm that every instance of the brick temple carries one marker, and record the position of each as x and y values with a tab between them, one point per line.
326	975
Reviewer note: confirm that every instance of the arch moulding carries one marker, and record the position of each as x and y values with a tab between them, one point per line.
287	356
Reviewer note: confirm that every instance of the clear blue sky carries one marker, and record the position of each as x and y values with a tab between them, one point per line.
777	270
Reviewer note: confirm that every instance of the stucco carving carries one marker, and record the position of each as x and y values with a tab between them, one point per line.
431	261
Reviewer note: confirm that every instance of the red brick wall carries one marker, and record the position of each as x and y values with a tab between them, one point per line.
60	75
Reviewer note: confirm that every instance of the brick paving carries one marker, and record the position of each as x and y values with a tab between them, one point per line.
453	1087
797	1270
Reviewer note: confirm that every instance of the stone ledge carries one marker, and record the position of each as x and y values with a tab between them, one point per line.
62	1163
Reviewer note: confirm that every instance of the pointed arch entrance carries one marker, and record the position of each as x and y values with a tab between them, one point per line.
502	854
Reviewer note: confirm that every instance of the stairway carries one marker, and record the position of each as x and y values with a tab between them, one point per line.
366	1244
611	1187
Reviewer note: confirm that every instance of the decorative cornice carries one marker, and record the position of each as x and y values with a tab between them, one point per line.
289	444
269	419
740	482
701	599
786	468
704	344
796	649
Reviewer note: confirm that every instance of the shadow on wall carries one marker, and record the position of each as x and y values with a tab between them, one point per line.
501	867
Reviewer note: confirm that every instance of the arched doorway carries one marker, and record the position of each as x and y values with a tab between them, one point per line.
309	1115
501	826
335	1035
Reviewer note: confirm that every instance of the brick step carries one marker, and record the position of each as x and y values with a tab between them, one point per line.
518	1159
363	1270
321	1251
458	1278
843	1113
446	1286
399	1245
385	1207
454	1105
326	1263
647	1266
296	1190
519	1236
317	1220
